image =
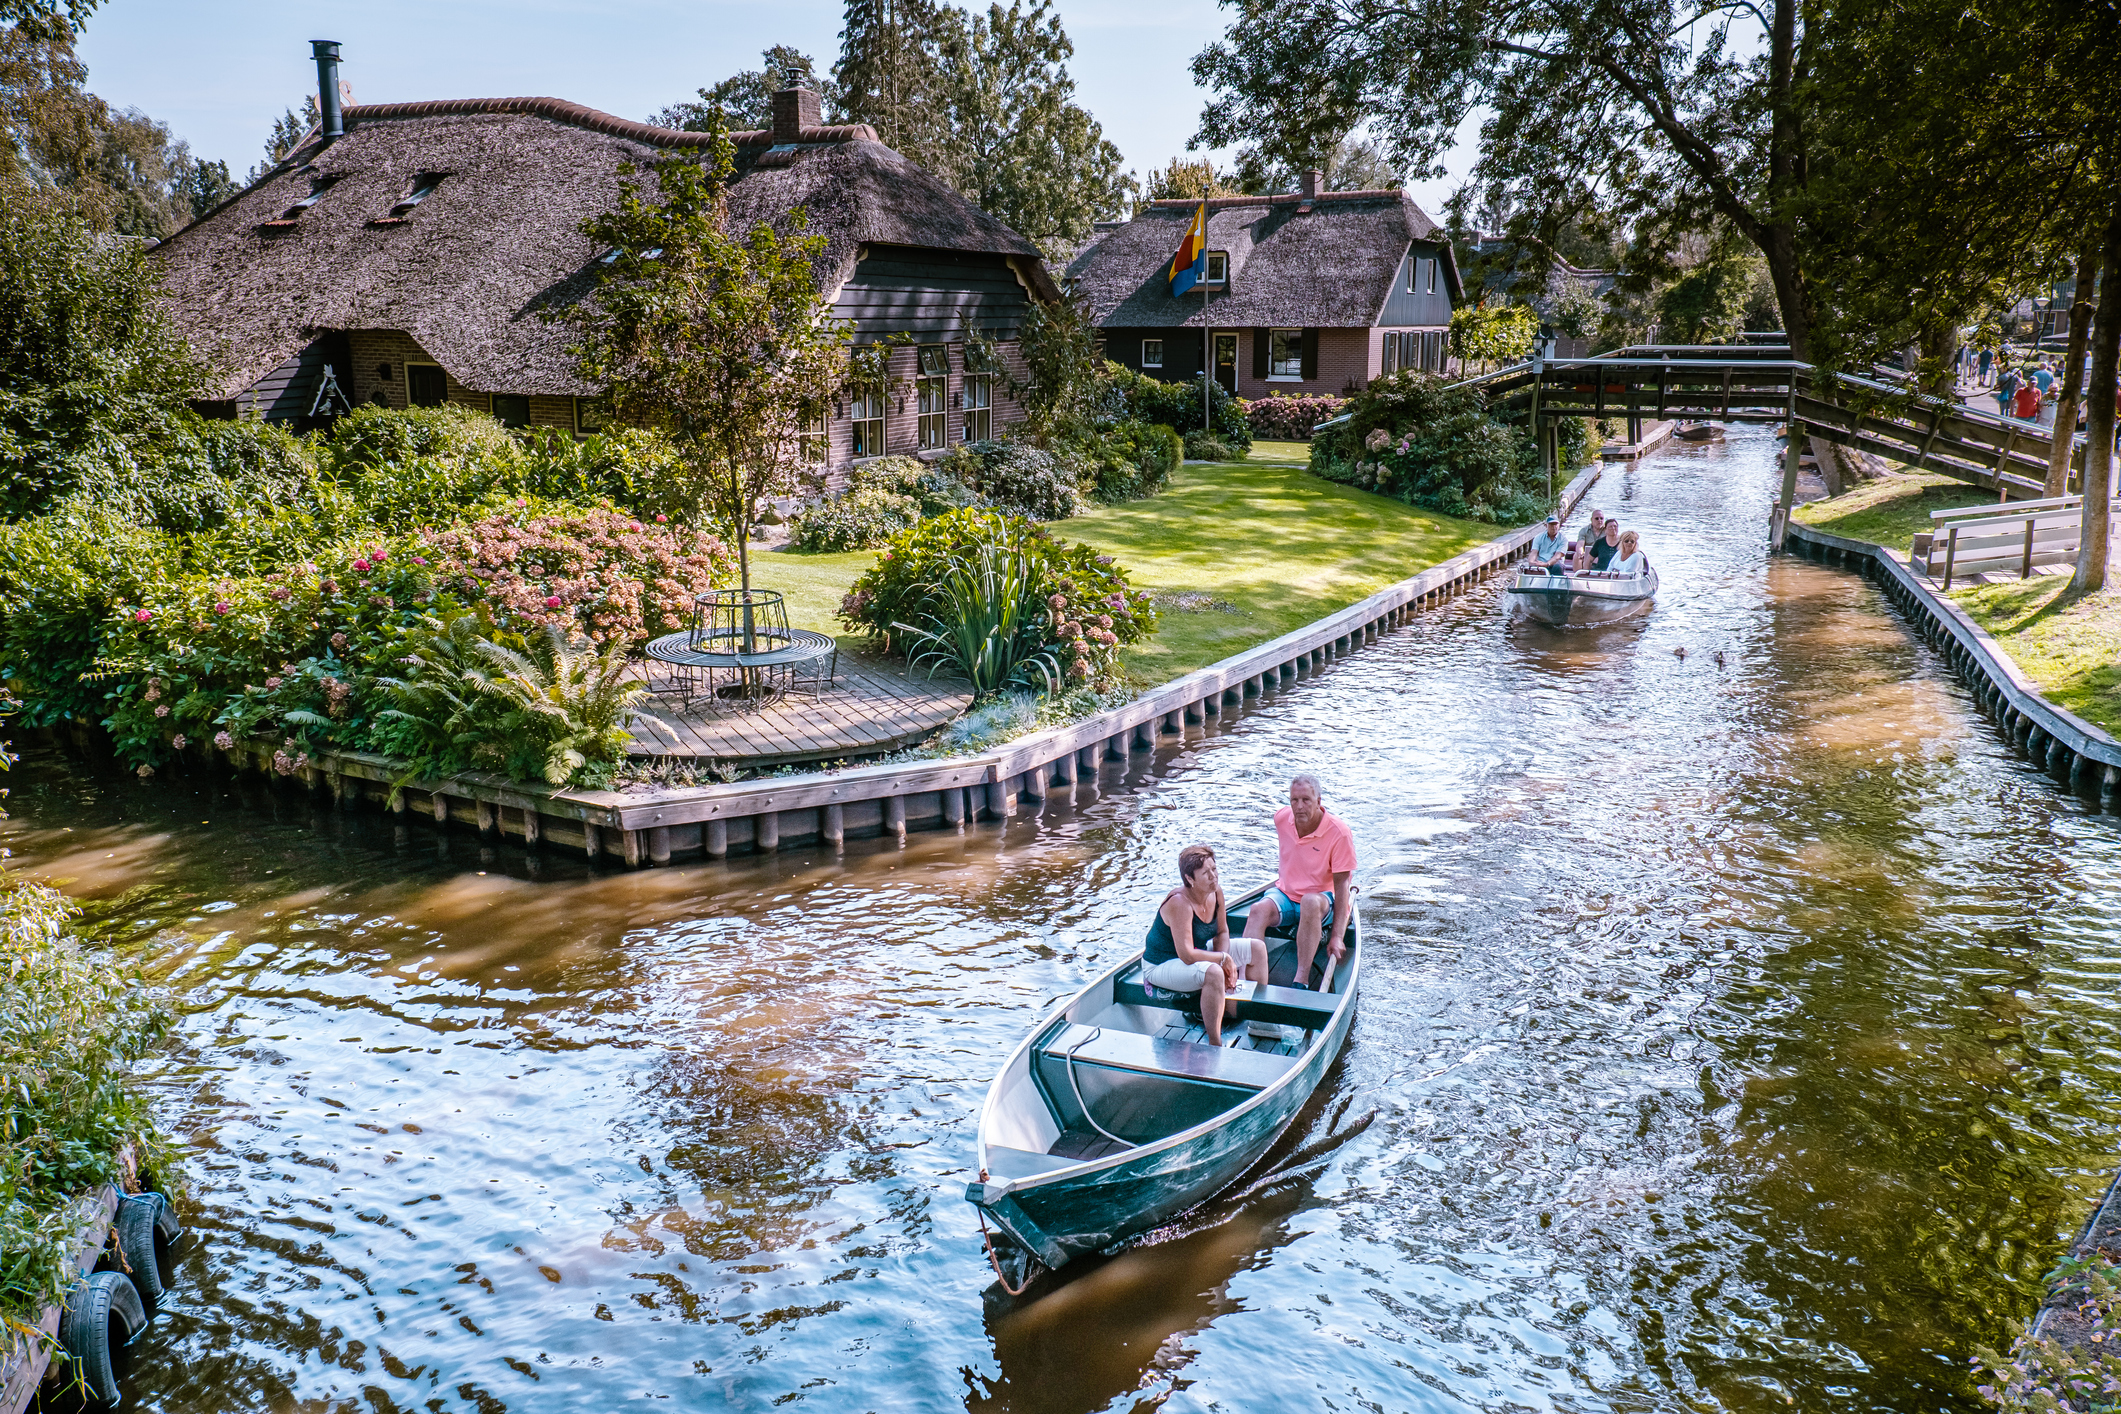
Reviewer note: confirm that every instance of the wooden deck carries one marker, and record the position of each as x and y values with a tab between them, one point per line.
871	709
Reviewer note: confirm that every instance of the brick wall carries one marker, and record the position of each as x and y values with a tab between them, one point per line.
1346	357
377	349
902	432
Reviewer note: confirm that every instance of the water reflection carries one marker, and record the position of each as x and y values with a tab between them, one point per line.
1738	1022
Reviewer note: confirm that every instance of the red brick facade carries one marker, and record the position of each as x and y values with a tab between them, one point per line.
380	351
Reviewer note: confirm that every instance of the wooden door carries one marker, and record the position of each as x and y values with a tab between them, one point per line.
1226	361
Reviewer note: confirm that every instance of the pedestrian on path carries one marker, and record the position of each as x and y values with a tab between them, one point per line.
2006	387
1982	380
2027	401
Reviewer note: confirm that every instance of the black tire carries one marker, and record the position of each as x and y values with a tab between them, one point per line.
147	1233
100	1318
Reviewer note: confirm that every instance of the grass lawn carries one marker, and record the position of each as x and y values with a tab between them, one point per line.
1890	511
1236	553
2069	646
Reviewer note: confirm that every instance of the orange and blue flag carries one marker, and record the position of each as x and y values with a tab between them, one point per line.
1190	266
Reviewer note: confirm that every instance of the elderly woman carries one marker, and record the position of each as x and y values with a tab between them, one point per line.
1629	561
1189	947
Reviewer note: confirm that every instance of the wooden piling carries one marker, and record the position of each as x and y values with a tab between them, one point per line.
659	844
483	814
766	828
533	831
715	836
895	817
833	825
953	807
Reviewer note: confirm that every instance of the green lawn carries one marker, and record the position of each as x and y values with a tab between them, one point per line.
2069	646
1236	553
1890	511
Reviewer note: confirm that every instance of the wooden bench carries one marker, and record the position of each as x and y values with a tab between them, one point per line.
1106	1046
1283	1006
1998	537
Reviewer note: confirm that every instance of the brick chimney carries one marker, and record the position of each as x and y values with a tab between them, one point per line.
795	109
1313	183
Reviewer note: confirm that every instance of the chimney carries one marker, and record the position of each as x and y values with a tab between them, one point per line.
331	118
1313	183
794	109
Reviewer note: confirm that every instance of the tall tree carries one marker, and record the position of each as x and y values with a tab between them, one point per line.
2093	544
1187	180
890	75
1353	163
745	98
1020	147
717	336
287	130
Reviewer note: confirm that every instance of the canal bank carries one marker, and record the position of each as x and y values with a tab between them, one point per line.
1741	1037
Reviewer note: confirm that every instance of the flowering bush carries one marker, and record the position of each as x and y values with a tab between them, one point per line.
1284	418
1083	609
1017	479
1414	437
881	499
2044	1376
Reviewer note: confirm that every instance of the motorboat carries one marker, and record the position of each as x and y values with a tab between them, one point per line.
1698	432
1115	1115
1568	600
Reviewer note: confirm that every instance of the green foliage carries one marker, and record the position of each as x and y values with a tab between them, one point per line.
1494	333
1412	436
1281	417
881	499
61	578
1016	479
2042	1375
1084	609
72	1024
1707	304
1208	447
1131	459
985	620
92	366
744	100
1131	395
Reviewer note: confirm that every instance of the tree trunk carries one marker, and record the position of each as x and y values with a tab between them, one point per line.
2099	422
2080	328
1940	348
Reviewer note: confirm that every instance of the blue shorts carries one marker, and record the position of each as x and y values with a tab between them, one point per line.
1292	909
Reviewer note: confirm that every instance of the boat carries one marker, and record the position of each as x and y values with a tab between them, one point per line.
1115	1115
1566	600
1698	432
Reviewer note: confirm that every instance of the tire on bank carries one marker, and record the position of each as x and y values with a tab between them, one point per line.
101	1317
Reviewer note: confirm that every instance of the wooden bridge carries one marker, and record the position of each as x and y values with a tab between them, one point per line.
1762	383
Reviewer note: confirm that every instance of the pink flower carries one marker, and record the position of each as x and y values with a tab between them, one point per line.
224	740
162	710
330	586
224	607
636	525
271	683
377	557
179	741
280	591
360	566
141	616
552	601
662	520
418	561
338	640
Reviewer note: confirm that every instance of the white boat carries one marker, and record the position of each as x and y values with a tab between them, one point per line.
1566	600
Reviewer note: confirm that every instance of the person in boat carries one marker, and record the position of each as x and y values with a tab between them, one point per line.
1629	561
1550	547
1606	546
1310	893
1189	947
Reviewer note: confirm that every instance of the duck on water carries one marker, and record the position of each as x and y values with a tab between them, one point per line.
1598	579
1169	1077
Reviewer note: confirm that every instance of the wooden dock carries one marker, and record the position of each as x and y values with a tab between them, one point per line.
870	710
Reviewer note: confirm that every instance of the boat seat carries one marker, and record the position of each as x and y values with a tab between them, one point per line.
1005	1162
1151	1055
1283	1006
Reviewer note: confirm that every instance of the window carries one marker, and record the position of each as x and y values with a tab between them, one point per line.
1431	275
426	386
1432	351
292	215
1152	353
1285	353
1413	274
814	441
979	404
1391	354
867	411
590	415
511	409
422	187
932	389
1218	267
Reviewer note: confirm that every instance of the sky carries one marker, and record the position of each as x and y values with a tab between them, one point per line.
219	71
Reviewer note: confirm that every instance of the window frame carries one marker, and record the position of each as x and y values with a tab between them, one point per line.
866	433
493	405
587	421
979	407
410	365
1413	273
1433	262
1156	359
813	441
1217	258
1294	351
931	392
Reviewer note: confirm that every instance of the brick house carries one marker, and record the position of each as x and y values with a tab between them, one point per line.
417	254
1308	292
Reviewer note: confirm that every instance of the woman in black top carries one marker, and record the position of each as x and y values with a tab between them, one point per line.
1189	947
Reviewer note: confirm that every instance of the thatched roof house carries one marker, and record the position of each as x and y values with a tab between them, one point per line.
1308	292
418	253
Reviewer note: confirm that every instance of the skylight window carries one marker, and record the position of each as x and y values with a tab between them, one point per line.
423	186
317	187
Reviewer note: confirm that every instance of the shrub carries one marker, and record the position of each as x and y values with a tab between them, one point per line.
2044	1375
61	577
1412	436
881	499
1284	418
984	615
1017	479
72	1023
1086	609
1130	395
1205	447
1129	460
1493	333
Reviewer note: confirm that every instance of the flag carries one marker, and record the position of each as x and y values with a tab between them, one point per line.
1190	265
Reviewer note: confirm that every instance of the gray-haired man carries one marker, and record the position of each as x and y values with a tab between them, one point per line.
1311	889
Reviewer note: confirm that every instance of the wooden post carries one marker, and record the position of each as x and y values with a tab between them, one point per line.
483	813
1787	506
398	804
1064	770
533	827
592	844
1951	553
833	825
766	829
2003	461
1172	723
895	816
441	808
1144	735
659	844
1193	713
2110	790
1032	785
2025	569
1212	705
1001	799
630	841
953	806
1086	763
716	834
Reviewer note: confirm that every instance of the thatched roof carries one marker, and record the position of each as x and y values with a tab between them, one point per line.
470	269
1319	262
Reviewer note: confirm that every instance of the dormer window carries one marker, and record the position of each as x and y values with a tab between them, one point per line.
1218	267
317	187
422	187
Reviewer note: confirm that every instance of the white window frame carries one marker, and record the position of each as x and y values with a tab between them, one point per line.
1152	353
1413	273
1218	260
979	407
814	441
866	433
931	391
1293	350
1432	263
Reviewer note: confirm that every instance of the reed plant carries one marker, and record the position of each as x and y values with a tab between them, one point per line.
988	620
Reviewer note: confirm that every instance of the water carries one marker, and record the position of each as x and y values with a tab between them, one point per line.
1739	1033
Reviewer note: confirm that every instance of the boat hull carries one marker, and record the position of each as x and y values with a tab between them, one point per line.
1075	1216
1566	601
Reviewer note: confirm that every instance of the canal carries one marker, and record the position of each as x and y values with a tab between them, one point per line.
1739	1023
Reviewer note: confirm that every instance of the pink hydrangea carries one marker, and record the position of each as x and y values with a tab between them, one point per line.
141	616
224	740
360	566
222	606
338	640
552	601
280	592
180	741
272	683
162	710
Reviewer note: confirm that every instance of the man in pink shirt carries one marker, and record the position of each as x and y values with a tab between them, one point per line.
1311	891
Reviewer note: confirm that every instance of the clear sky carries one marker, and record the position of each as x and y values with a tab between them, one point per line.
219	71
